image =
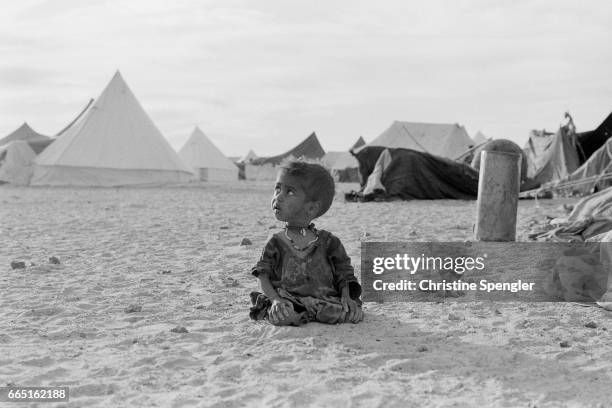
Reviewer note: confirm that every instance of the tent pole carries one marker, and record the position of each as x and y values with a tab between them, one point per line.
91	100
470	150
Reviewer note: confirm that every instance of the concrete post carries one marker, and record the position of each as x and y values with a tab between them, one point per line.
498	188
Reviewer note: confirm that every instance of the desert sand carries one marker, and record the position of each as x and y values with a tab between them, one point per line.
136	263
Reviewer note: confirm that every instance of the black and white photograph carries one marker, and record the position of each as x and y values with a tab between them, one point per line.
232	203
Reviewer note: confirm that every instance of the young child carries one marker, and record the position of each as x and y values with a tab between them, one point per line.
305	273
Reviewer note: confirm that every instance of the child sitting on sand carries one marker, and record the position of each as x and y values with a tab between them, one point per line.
305	273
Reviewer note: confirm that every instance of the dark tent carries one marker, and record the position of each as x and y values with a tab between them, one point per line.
310	148
592	140
265	168
360	142
411	175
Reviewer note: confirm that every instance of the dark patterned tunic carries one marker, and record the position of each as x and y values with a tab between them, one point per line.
312	279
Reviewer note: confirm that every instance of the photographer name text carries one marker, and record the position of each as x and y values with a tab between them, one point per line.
458	285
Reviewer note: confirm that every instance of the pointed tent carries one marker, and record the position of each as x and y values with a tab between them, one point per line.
264	168
16	162
309	148
207	161
23	132
479	138
114	144
443	140
37	142
360	142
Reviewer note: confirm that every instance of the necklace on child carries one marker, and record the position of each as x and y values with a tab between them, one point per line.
302	232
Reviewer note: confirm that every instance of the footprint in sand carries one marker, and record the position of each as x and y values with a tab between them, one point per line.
56	374
39	362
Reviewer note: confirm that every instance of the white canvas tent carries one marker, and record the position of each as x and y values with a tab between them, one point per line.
206	160
479	138
444	140
114	144
16	162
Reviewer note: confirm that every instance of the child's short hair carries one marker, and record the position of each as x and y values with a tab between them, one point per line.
318	184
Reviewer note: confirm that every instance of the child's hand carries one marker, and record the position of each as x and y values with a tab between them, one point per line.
280	310
354	312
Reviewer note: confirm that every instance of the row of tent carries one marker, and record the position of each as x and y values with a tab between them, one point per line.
114	142
566	161
449	141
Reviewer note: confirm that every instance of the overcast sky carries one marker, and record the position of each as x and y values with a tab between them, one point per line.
265	74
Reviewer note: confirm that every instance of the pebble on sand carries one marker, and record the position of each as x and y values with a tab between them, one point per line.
421	349
133	309
456	317
54	260
568	207
18	265
179	329
245	241
564	344
591	325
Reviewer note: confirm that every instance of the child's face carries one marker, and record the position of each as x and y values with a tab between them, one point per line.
289	202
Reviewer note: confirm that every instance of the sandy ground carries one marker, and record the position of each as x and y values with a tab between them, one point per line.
176	253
